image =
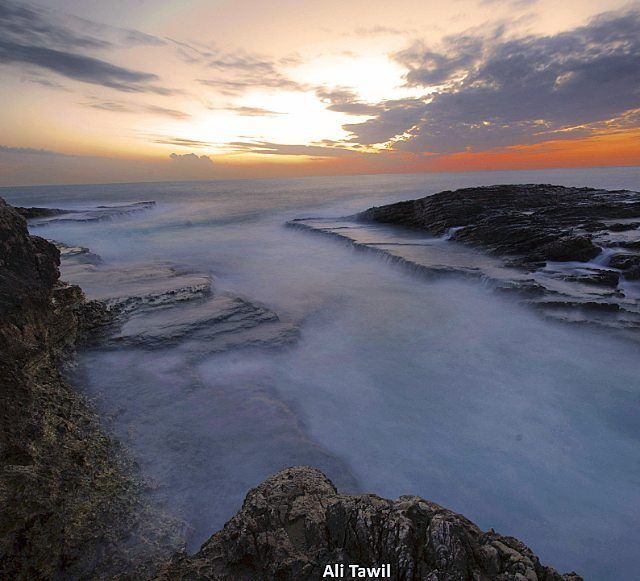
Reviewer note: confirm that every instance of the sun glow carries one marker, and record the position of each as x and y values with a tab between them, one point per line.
292	117
280	117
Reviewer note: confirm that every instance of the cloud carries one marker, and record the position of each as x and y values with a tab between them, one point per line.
180	141
191	160
242	83
35	25
494	91
269	148
380	30
240	71
31	35
344	100
393	119
244	111
5	149
124	107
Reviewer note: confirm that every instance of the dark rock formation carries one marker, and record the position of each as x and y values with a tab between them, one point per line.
71	507
36	212
533	223
295	523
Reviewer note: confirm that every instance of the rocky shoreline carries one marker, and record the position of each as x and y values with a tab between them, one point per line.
532	223
573	254
75	506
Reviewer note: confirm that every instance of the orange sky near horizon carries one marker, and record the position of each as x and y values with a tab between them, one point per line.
218	89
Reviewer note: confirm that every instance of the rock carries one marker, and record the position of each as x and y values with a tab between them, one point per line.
215	324
44	216
138	286
629	264
36	212
597	277
633	273
578	244
623	227
533	222
296	523
160	305
72	506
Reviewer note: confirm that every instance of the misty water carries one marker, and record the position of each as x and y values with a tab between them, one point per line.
396	385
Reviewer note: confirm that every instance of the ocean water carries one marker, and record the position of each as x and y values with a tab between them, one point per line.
396	384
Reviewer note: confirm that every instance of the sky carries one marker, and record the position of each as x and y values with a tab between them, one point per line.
151	90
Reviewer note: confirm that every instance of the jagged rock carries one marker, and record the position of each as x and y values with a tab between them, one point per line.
296	523
72	506
563	238
534	222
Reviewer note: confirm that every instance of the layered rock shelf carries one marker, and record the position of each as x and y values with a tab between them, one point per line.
573	254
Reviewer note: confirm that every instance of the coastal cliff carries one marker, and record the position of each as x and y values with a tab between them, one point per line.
74	508
71	506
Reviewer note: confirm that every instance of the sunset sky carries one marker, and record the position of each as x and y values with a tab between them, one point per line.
130	90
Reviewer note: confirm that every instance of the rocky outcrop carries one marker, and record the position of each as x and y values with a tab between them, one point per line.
296	523
571	253
531	223
72	506
162	305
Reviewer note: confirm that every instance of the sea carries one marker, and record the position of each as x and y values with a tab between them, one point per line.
394	383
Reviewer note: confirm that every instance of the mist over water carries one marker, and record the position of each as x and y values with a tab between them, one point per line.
397	385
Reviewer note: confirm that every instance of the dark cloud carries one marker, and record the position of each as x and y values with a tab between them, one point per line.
393	119
31	35
496	91
28	24
191	160
434	66
243	61
80	68
344	100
